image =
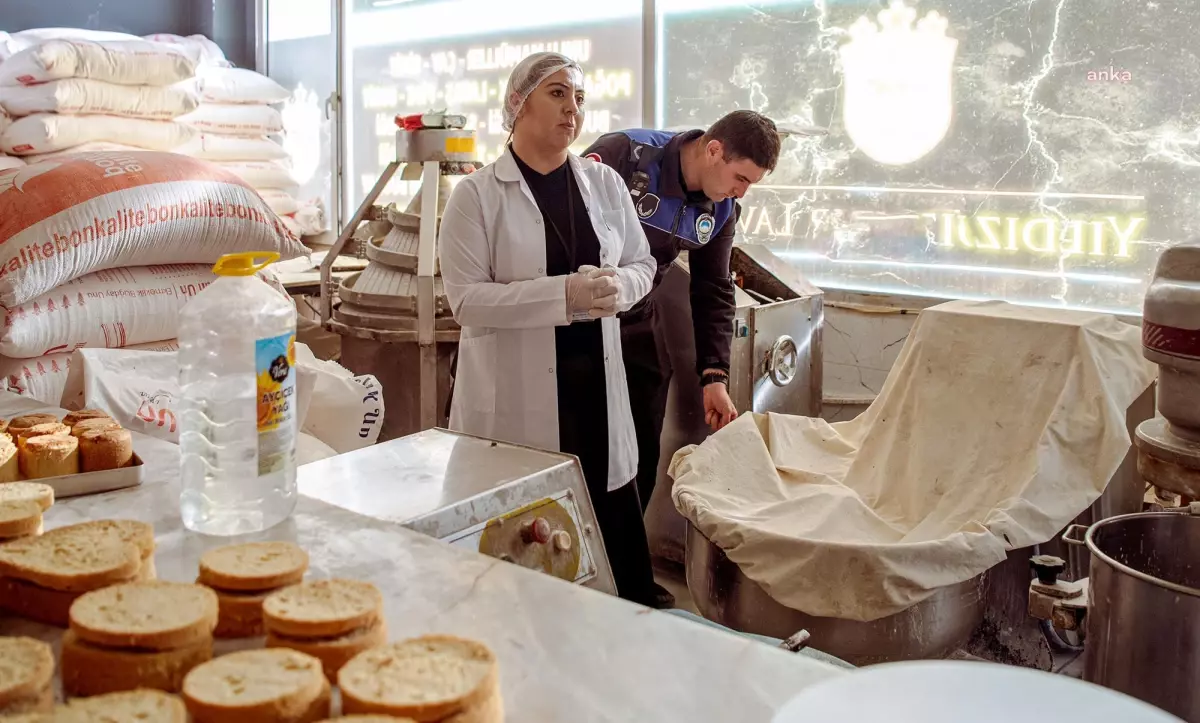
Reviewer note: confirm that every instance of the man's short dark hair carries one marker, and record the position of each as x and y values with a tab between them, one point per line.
746	134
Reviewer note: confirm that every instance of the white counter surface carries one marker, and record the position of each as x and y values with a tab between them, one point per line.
566	653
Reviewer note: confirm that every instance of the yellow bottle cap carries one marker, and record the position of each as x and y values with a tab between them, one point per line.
244	264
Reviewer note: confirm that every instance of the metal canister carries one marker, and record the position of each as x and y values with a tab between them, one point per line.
1143	626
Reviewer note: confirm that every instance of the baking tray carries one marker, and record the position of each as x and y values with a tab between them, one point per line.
90	483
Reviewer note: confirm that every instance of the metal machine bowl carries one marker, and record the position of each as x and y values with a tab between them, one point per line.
933	628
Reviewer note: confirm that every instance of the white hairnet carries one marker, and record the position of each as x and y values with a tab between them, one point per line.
527	76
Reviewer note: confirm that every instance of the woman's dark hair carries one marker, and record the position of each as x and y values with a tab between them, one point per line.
747	134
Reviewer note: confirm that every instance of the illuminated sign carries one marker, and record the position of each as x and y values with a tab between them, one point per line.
898	96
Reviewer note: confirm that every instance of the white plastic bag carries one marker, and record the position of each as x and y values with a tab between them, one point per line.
44	378
126	62
198	47
345	412
48	132
281	202
263	174
7	162
212	147
235	120
239	85
85	96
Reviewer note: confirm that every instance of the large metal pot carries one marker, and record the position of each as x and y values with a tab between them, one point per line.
1143	623
933	628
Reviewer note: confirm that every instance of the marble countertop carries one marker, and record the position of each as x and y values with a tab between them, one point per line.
566	653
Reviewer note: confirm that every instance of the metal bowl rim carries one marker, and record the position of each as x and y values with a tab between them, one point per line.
1099	554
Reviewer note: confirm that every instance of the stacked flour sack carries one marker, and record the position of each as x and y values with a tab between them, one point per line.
238	125
103	248
70	95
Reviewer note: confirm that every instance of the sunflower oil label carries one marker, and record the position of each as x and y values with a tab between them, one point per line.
275	367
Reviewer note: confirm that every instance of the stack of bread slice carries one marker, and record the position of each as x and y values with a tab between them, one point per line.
21	508
242	576
26	676
331	620
431	679
137	635
275	685
142	706
42	576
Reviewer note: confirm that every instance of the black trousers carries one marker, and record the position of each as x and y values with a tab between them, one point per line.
648	373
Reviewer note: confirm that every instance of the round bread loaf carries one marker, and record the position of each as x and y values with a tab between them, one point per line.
26	670
253	567
48	456
156	614
258	686
103	449
43	494
10	464
74	418
429	679
19	518
322	608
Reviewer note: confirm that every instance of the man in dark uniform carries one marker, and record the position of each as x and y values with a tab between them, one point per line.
685	187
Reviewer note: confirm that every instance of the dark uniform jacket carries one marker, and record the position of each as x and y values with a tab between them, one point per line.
676	220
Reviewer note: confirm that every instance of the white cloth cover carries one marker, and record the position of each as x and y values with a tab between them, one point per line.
996	427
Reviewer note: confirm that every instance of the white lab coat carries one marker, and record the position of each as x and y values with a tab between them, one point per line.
492	248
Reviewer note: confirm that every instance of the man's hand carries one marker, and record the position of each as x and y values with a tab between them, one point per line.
718	407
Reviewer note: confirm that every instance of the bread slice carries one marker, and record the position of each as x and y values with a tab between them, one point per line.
68	562
258	686
323	608
43	494
10	464
135	706
253	567
88	669
334	652
239	614
431	678
74	418
18	424
20	518
157	615
26	670
93	425
29	718
138	533
49	455
40	702
34	602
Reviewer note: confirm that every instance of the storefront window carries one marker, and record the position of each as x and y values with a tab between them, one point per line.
1040	153
419	55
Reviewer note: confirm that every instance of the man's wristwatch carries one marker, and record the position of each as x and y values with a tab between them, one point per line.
711	377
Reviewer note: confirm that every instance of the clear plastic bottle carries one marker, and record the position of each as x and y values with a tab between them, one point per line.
237	438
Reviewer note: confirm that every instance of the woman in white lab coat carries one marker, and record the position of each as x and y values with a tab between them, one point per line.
539	251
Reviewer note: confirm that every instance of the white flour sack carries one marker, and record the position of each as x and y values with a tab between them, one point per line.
81	95
197	47
235	120
232	148
45	378
263	174
48	132
7	162
281	202
238	85
88	212
125	62
111	308
84	148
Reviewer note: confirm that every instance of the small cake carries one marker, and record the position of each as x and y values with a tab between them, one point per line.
49	455
10	467
40	430
83	414
105	449
17	424
4	429
94	425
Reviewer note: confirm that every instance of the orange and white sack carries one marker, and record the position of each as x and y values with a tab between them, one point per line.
239	85
108	309
280	201
263	174
45	378
95	147
235	120
197	47
60	220
125	62
48	132
85	96
213	147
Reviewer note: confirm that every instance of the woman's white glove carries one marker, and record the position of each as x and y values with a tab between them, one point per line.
591	294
